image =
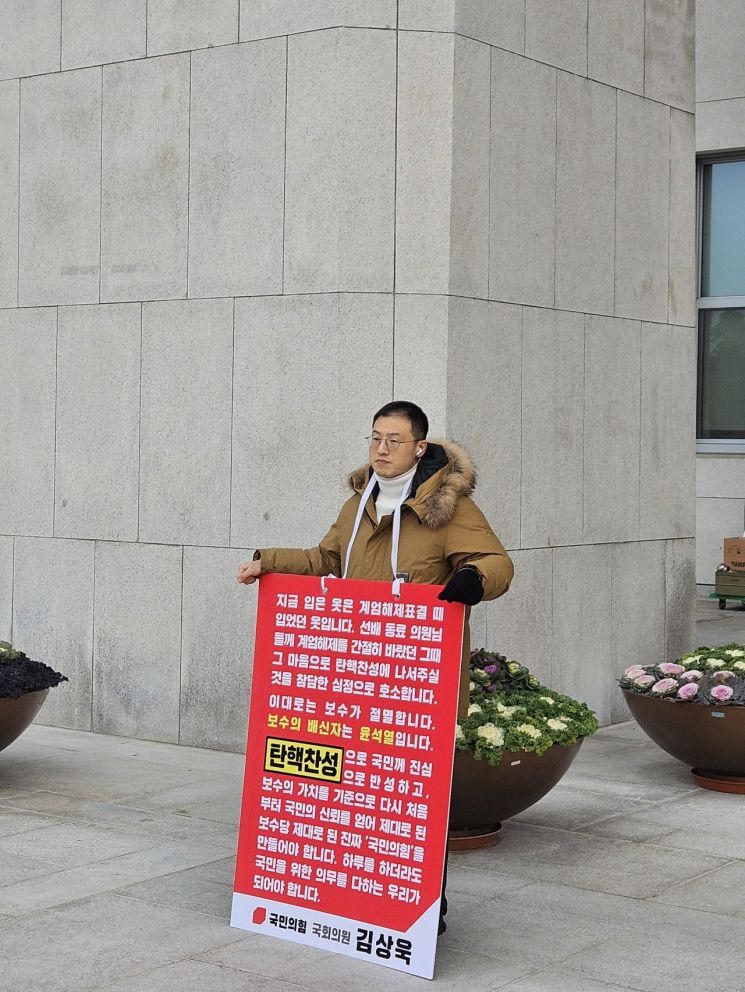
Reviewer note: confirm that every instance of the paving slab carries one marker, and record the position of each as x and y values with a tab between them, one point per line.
198	976
556	980
184	890
587	862
17	869
226	810
618	923
721	891
91	943
611	916
669	962
522	934
124	817
68	845
649	934
59	887
647	773
12	791
217	871
478	884
69	740
638	830
204	791
89	775
192	758
26	751
570	809
686	823
269	957
16	822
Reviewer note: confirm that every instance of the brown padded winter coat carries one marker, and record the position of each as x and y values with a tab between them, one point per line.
441	529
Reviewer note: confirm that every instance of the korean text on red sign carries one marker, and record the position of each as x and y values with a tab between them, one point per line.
348	767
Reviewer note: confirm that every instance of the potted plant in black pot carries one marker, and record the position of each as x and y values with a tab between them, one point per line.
24	685
517	741
694	708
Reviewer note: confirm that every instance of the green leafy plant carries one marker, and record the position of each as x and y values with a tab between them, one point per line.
8	653
511	710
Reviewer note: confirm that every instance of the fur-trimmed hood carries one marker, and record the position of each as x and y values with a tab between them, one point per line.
444	473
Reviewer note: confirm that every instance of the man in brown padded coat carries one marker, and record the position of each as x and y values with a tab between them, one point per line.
411	505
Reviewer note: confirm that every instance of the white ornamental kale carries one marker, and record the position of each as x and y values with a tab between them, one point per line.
493	735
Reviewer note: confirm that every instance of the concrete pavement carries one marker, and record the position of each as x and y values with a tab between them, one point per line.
116	860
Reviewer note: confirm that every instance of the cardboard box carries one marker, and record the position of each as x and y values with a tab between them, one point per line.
729	583
734	553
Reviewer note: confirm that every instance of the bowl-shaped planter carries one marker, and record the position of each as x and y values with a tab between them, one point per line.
514	744
694	708
17	714
711	739
24	685
484	795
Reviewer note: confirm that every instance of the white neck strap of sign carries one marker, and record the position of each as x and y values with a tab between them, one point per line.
396	589
373	481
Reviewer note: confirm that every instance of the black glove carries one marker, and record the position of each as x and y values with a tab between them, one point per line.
465	586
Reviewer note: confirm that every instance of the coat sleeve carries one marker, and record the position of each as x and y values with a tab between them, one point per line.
470	540
325	559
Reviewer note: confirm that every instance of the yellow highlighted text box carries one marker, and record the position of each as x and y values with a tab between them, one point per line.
318	761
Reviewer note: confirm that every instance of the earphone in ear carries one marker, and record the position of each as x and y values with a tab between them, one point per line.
419	451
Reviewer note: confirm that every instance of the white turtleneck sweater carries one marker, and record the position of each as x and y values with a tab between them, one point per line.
390	491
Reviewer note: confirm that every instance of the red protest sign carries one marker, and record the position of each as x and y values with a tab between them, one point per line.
348	767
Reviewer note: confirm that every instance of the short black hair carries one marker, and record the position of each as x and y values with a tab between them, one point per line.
413	413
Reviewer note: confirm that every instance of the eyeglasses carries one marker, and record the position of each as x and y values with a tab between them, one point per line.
392	443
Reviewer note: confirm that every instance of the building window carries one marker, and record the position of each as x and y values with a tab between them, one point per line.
721	303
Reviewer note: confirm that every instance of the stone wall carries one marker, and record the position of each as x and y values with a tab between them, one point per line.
231	231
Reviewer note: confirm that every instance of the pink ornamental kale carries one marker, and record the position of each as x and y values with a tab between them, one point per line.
688	691
670	668
665	686
722	693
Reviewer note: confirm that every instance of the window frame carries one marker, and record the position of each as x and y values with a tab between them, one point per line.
710	445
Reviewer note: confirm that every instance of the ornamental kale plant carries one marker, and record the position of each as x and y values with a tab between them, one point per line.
708	676
510	710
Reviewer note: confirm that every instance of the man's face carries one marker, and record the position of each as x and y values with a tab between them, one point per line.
388	458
